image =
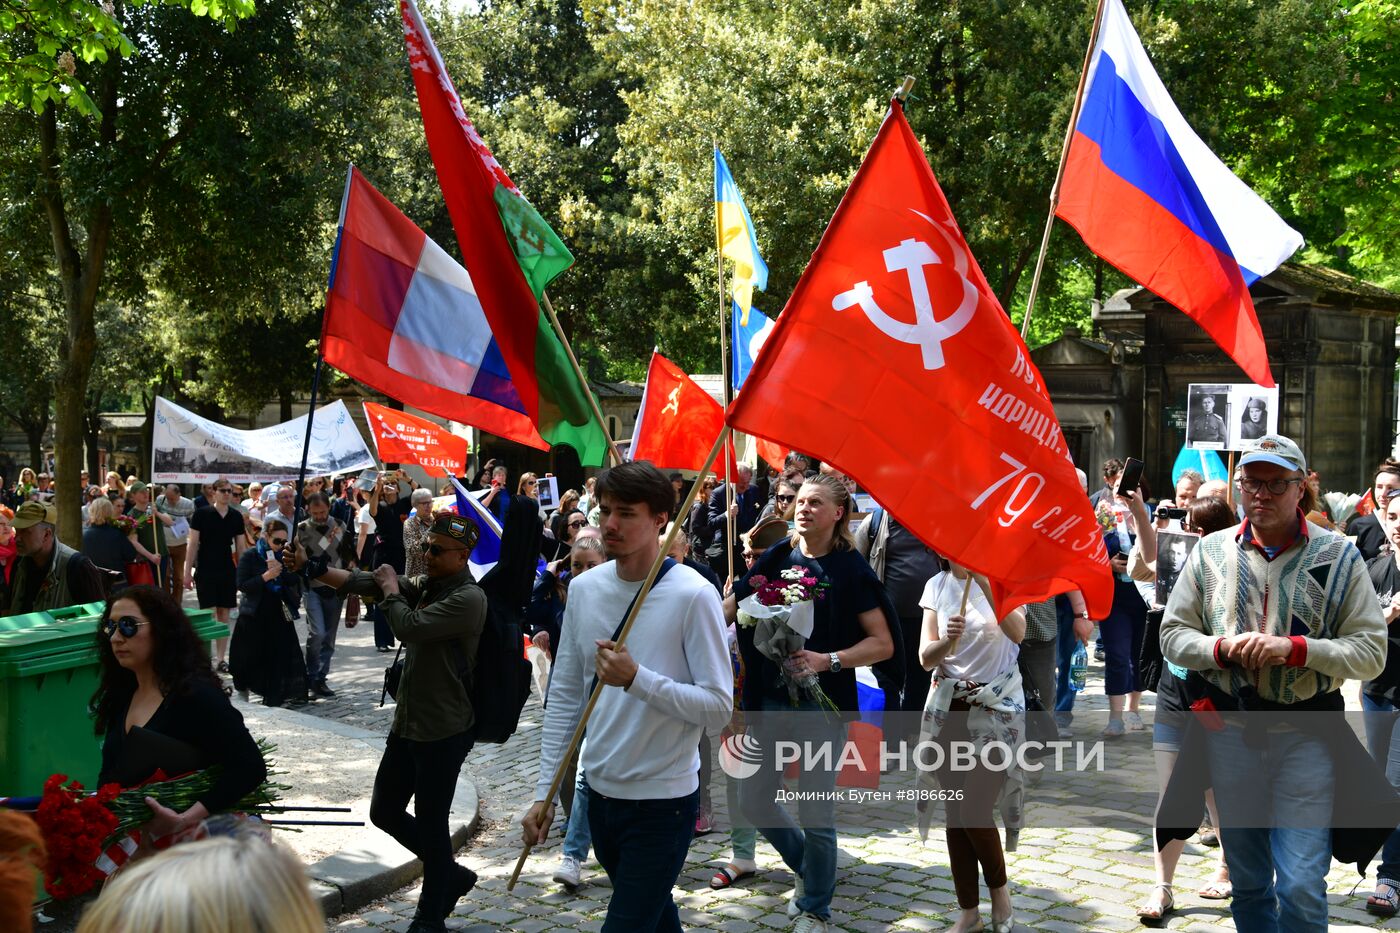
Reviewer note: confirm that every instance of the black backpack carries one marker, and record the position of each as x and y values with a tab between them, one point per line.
500	685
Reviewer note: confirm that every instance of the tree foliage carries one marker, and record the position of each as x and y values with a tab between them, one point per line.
48	38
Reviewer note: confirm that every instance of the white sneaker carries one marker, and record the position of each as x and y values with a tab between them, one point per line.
1135	723
809	923
568	872
798	890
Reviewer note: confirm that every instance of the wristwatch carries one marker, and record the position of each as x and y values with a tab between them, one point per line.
1084	615
835	662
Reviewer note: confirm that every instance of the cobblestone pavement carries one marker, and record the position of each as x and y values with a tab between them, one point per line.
1089	878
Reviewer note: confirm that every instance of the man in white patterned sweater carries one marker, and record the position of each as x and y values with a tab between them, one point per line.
1275	615
670	682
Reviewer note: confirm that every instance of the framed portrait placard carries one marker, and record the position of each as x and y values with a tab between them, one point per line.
1223	416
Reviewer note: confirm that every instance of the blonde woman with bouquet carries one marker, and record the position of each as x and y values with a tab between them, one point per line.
793	701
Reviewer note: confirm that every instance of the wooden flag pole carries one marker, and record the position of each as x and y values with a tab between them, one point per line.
582	380
622	636
724	314
1060	172
962	608
1230	482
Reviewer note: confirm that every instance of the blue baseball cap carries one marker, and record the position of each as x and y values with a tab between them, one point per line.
1278	450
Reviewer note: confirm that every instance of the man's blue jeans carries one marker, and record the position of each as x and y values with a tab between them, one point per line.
1064	651
322	624
807	845
577	838
642	845
1275	812
1383	741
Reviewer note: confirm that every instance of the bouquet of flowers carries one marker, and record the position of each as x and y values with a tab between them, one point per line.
125	524
75	826
89	836
782	613
1107	517
1342	505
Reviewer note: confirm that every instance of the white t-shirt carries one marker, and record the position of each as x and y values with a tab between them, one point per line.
365	520
983	652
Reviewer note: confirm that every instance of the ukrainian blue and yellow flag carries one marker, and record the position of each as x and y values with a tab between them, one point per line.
737	240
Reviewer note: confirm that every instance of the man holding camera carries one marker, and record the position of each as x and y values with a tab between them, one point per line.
439	618
323	536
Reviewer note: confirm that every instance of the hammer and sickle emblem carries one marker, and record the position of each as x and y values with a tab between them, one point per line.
927	331
673	405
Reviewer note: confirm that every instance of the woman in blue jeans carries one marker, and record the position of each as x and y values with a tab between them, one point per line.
1380	698
850	630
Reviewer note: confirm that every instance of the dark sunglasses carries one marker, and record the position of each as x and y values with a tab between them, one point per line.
279	542
437	550
577	524
127	625
785	498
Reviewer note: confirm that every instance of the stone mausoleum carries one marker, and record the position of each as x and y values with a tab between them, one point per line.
1332	349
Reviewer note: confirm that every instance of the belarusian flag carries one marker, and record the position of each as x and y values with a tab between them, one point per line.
509	250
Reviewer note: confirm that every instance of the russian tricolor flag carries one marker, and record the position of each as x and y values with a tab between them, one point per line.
403	317
1148	196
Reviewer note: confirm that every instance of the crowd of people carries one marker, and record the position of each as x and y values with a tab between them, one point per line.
1229	598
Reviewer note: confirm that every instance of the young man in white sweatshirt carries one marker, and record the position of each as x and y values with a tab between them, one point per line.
668	683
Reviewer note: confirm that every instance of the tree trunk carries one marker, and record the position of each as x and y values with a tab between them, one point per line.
35	435
68	441
80	271
284	405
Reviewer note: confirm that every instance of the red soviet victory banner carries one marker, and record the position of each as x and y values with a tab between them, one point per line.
402	437
894	362
679	421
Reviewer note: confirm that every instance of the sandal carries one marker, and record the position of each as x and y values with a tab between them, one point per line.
1154	916
1216	890
1385	902
728	876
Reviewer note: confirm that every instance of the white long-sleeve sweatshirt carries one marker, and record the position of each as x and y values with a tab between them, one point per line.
642	743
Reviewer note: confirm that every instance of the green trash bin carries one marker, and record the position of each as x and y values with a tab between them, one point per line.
48	671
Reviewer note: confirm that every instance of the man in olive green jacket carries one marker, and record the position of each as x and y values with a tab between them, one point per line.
439	618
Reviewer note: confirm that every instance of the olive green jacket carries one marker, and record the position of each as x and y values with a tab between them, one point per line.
428	616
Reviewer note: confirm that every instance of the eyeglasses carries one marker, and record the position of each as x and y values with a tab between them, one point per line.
785	498
437	550
530	482
578	524
225	490
1276	487
127	625
279	542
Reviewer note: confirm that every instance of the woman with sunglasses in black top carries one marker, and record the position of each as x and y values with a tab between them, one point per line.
156	677
265	656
